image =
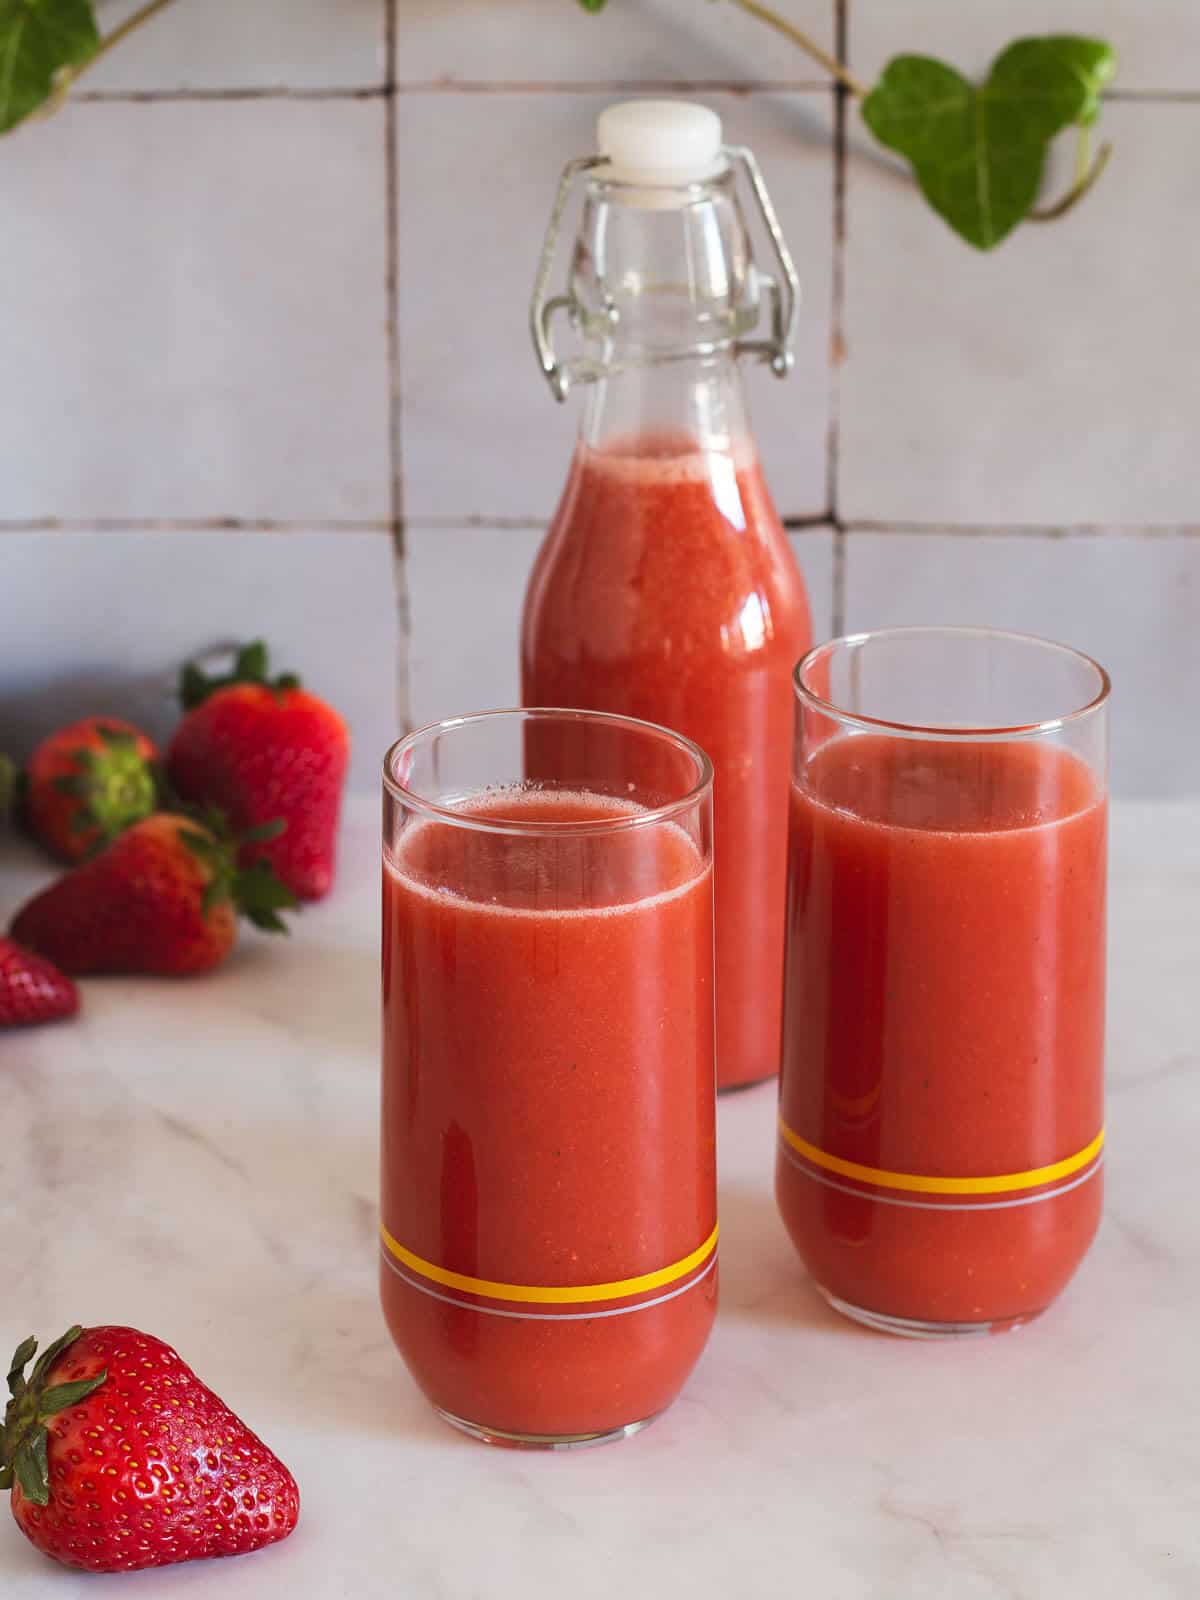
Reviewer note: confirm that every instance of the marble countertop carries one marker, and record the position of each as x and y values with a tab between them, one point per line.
198	1158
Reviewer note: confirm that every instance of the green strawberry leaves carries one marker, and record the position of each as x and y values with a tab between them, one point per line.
24	1354
250	665
23	1436
63	1395
978	152
256	891
116	786
261	896
31	1468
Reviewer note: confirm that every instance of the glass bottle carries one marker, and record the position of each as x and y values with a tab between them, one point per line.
666	588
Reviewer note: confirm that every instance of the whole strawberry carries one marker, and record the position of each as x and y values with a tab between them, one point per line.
31	990
86	783
119	1457
163	897
259	748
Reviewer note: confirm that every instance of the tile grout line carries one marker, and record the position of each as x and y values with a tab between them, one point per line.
1149	97
391	208
390	88
194	525
739	86
821	519
799	523
391	272
349	91
837	341
1029	530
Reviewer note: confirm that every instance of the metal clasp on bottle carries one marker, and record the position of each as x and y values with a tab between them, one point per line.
782	293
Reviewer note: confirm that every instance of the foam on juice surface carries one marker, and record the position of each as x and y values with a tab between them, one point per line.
564	871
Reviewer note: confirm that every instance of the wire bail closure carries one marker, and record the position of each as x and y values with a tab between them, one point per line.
783	293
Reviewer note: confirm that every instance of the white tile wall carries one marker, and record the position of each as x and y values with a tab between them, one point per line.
100	622
554	41
194	333
230	44
814	550
1157	41
194	315
1132	601
1053	380
465	588
477	176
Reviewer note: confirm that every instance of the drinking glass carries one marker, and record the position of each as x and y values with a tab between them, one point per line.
941	1108
549	1224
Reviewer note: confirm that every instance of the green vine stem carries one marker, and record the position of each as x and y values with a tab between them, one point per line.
1083	152
69	76
810	46
1086	179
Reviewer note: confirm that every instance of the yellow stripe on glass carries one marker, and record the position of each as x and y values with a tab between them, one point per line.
1001	1183
565	1294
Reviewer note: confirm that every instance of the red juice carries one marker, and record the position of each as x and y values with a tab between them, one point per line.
941	1101
549	1185
666	590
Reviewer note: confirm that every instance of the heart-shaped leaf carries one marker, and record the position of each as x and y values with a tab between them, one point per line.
978	153
37	39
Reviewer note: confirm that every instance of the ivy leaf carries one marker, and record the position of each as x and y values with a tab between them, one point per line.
978	152
38	38
1054	80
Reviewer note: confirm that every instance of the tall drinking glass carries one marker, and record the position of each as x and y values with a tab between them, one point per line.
548	1218
941	1109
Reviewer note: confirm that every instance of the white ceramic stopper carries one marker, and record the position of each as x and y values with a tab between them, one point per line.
660	141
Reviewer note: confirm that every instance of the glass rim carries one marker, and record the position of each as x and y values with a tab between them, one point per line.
647	817
924	730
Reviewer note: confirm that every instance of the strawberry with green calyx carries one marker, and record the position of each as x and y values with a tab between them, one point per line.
119	1458
259	747
163	898
31	989
23	1438
88	782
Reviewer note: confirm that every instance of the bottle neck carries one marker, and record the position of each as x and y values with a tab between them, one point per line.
662	290
670	407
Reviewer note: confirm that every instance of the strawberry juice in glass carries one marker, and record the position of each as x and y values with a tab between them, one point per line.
941	1109
549	1224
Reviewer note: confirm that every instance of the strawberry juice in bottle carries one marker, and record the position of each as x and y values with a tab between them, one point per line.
666	588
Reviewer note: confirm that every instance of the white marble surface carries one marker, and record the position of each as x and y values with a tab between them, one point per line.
199	1159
